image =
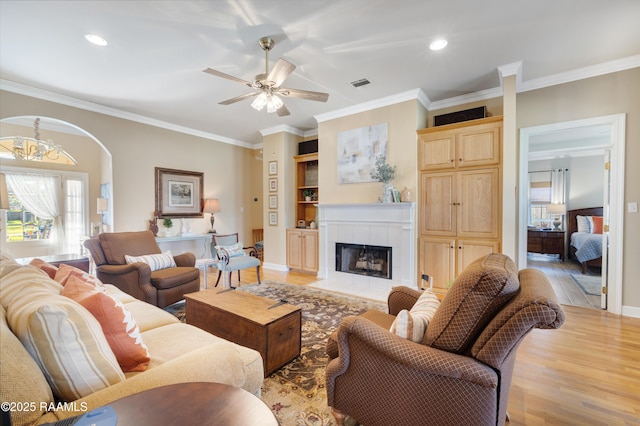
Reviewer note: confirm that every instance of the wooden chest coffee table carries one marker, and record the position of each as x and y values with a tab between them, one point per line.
249	320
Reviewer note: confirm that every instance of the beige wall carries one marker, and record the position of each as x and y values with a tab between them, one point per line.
599	96
229	171
279	147
403	120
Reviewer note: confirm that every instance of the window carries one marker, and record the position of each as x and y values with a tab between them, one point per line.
539	197
48	193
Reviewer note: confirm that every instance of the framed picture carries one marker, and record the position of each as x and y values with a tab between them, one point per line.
178	193
273	184
358	150
273	201
273	218
273	168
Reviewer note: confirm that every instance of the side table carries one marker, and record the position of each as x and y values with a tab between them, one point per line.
204	263
194	403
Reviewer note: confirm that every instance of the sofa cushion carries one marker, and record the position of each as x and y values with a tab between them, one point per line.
172	277
117	323
66	271
20	377
473	299
155	261
45	266
412	324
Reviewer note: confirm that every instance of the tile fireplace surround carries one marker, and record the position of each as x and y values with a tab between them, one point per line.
379	224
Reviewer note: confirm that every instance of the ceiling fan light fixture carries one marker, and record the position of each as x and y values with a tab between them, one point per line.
274	103
259	102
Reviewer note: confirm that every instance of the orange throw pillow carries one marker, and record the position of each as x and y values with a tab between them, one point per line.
597	225
118	325
46	267
65	272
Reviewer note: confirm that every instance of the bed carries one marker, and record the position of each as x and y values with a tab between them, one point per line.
584	247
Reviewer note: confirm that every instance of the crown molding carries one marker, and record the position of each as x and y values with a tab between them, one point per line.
45	95
581	73
482	95
378	103
282	128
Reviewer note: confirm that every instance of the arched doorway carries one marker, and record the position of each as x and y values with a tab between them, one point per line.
81	184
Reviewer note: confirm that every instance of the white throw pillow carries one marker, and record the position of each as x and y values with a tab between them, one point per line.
413	324
233	250
155	261
583	224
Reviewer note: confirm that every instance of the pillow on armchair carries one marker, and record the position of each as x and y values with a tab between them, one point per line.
412	324
155	261
232	250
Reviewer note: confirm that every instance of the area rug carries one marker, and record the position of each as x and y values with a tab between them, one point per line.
296	392
589	284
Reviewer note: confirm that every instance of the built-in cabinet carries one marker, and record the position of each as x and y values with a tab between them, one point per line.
302	242
302	250
459	196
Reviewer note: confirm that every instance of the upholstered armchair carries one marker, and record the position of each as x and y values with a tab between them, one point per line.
160	287
460	373
234	255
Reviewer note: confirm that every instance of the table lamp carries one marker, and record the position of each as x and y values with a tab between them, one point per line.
557	210
212	205
102	206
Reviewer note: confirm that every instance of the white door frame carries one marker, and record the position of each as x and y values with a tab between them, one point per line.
616	224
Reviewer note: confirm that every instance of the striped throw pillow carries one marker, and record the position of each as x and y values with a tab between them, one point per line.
68	345
155	261
412	324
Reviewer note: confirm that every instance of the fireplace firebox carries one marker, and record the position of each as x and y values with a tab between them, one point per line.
360	259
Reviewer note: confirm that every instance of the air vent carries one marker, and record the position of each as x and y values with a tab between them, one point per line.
361	82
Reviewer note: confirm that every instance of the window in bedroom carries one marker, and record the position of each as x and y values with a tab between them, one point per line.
539	198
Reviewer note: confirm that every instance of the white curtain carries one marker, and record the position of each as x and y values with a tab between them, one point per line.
558	186
40	194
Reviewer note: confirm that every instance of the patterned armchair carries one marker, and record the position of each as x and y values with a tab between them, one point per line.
461	371
234	255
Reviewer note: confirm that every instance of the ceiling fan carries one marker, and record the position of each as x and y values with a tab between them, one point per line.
268	85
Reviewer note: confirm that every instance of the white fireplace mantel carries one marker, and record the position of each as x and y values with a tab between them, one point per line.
380	224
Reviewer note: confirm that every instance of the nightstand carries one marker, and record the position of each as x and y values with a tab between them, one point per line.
546	242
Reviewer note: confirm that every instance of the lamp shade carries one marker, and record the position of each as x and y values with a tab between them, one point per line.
4	193
556	209
102	204
211	205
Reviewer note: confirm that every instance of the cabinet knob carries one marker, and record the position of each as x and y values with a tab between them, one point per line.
452	160
460	160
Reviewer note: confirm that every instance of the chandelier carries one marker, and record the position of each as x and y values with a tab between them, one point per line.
35	149
273	102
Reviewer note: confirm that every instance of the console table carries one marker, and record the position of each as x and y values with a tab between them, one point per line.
546	242
180	244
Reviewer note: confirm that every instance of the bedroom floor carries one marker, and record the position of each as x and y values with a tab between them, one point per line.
559	274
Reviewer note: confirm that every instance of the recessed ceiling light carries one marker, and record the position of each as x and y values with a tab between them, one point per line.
95	39
438	44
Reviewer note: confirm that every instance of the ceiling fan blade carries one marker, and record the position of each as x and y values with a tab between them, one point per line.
280	72
283	111
227	76
304	94
238	98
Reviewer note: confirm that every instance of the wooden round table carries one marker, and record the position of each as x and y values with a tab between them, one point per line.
197	403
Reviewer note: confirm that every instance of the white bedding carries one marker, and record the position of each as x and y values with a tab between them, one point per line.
588	246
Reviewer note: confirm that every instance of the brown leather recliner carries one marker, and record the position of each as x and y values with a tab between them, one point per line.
160	288
460	374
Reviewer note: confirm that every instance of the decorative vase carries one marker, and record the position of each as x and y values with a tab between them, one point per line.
405	195
387	193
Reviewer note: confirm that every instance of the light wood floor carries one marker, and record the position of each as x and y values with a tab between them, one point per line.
585	373
559	274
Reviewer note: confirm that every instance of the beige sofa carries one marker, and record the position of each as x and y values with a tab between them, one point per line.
178	352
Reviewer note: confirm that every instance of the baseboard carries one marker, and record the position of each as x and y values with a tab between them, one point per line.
275	267
631	311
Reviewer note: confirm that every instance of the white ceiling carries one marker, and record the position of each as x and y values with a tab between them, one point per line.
152	68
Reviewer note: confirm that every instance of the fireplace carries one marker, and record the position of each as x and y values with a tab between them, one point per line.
362	259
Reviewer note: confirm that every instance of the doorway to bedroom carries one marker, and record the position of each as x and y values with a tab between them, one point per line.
580	149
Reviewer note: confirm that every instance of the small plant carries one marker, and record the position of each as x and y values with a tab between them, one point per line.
309	193
383	171
167	223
